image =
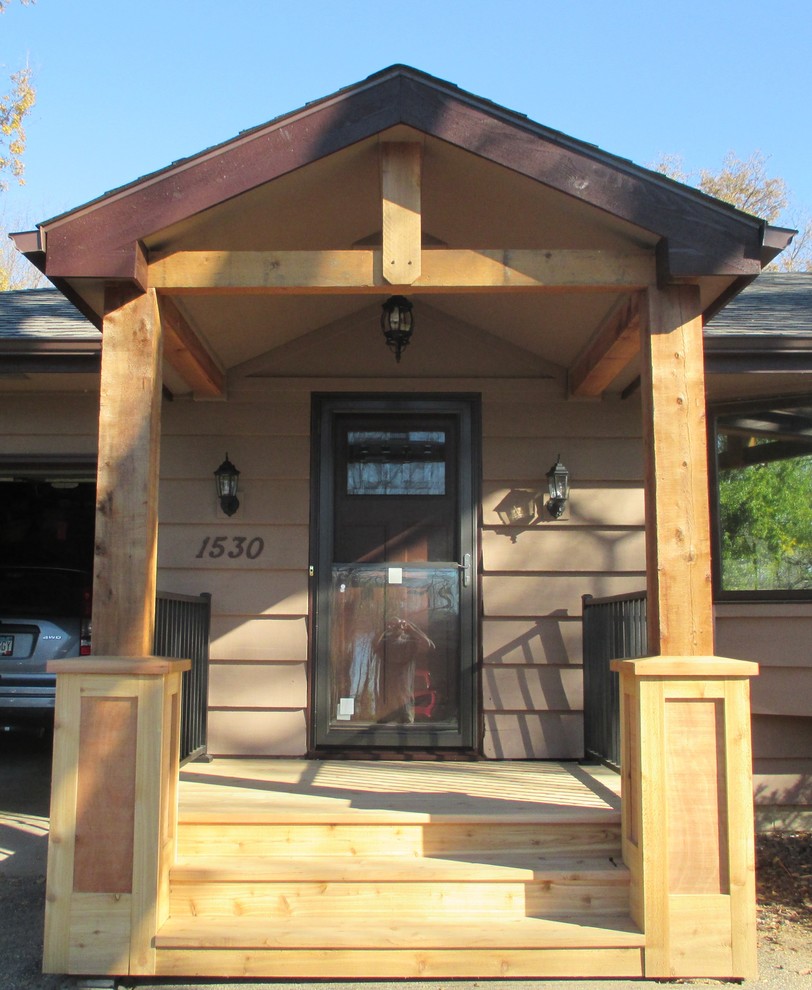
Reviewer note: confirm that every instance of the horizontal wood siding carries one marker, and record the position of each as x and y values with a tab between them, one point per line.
533	577
778	637
56	424
253	563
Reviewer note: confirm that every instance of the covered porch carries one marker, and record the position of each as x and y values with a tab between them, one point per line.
568	305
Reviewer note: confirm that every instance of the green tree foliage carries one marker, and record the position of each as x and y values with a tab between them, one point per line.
15	105
765	517
746	184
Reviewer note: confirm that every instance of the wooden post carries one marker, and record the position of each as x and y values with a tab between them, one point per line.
687	799
127	485
680	606
113	812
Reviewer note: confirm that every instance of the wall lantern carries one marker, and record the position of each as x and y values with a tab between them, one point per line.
226	477
558	483
397	323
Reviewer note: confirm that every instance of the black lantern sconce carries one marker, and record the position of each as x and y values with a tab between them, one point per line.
226	478
397	323
558	483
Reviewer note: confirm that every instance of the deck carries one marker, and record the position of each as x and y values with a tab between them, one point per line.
380	791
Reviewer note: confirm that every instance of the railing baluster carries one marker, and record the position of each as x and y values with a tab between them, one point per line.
182	628
614	628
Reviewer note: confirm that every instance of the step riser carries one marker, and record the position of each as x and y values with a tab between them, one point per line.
216	840
417	901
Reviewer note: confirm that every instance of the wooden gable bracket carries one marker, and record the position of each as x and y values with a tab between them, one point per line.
615	343
360	271
401	222
185	353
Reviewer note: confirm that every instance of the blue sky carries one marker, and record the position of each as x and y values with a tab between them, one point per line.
126	88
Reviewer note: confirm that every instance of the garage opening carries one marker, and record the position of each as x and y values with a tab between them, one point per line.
47	513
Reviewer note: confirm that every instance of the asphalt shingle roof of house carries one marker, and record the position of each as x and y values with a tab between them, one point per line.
776	303
42	314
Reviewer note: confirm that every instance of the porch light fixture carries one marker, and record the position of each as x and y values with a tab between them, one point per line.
226	477
558	483
397	323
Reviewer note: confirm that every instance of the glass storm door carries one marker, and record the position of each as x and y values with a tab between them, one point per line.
395	582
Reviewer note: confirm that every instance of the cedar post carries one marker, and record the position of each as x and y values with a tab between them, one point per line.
127	484
685	714
680	607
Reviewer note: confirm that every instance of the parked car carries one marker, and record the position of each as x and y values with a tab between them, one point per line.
44	615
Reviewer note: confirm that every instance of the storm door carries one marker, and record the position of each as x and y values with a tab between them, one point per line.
395	586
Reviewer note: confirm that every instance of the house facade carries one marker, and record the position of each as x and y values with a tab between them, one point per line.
393	578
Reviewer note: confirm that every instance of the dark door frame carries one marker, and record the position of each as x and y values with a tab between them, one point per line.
326	407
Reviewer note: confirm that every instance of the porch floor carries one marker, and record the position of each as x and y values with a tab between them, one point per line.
262	790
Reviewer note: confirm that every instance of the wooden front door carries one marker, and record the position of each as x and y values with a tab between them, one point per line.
394	526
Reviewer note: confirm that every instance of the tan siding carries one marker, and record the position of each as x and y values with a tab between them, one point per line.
589	460
778	636
748	632
258	689
533	595
539	735
555	640
49	425
590	504
285	503
538	688
268	638
559	549
257	733
258	685
525	415
245	546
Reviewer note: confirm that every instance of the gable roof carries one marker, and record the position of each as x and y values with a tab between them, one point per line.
699	235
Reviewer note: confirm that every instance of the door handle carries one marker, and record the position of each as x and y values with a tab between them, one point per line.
465	567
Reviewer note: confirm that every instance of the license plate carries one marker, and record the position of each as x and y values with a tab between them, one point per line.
6	646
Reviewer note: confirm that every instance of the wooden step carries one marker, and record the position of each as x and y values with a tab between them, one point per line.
482	867
418	889
336	932
292	839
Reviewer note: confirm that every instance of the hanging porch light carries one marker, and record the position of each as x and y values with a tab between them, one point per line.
397	323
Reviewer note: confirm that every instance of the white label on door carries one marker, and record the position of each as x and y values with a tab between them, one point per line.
396	575
346	707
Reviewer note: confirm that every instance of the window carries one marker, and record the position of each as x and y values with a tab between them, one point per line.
396	463
764	500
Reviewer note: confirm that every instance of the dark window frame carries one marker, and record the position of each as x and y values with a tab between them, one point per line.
714	412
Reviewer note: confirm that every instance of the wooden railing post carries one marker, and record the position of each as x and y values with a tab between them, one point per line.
113	812
687	799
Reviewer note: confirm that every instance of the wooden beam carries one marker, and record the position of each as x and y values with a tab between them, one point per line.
400	194
127	486
616	342
187	355
680	614
361	271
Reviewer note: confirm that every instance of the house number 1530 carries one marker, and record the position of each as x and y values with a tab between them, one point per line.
231	546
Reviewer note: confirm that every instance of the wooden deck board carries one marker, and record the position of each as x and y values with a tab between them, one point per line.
355	791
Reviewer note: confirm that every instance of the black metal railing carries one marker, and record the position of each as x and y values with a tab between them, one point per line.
182	624
613	629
